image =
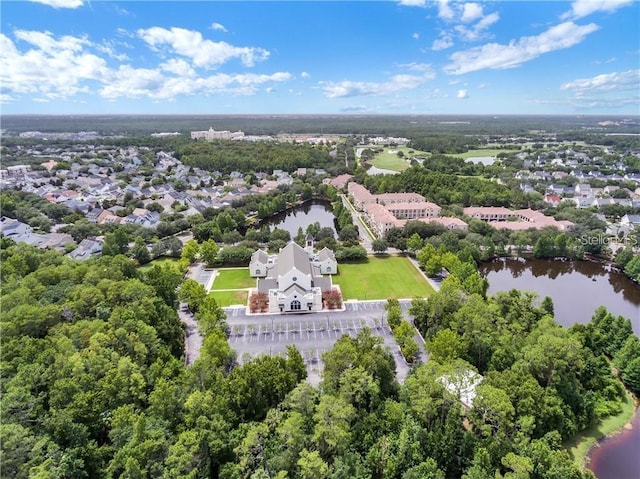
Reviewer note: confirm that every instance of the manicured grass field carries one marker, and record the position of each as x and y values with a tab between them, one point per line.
381	278
227	298
233	279
580	445
485	152
390	161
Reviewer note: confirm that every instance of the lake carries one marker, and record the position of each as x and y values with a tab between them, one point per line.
302	216
577	289
617	457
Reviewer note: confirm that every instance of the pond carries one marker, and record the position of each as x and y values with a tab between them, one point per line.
302	216
617	457
576	287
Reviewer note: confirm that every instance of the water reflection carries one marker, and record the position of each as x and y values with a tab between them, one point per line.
576	287
617	457
302	216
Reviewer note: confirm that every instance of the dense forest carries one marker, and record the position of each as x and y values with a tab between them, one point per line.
227	156
446	189
95	384
385	125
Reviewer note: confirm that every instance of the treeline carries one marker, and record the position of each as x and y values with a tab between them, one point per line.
444	143
393	125
629	262
227	156
613	336
446	189
94	385
549	376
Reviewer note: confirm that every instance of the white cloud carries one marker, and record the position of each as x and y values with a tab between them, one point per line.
130	82
419	67
497	56
445	41
445	11
45	41
350	89
62	67
61	3
4	98
416	36
178	67
591	103
108	47
607	82
477	31
471	11
219	27
203	53
355	109
55	68
122	11
583	8
305	75
462	94
412	3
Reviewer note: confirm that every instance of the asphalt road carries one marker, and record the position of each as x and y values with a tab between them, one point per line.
192	338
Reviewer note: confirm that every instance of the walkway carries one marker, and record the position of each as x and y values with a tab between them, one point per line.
366	236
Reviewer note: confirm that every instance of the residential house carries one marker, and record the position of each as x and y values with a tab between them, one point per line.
14	229
86	249
630	220
339	182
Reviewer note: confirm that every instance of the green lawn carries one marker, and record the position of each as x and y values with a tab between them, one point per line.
233	279
390	161
381	278
160	262
484	152
227	298
580	445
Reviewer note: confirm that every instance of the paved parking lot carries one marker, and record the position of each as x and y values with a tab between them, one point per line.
201	275
312	333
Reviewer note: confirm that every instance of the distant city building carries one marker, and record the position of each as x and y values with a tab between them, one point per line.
211	134
163	134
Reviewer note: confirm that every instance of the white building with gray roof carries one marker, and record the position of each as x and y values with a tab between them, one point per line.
293	279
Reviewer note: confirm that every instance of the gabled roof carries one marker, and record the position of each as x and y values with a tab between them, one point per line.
293	287
293	256
325	253
260	255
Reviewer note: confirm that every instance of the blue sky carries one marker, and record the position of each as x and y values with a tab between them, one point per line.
380	57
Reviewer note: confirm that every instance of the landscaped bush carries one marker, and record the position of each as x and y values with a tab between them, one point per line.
403	335
332	299
259	302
